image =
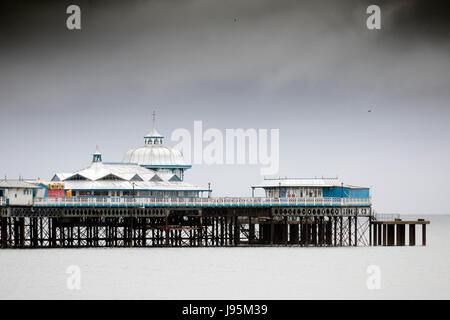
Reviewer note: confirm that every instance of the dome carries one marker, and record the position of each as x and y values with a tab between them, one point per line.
155	156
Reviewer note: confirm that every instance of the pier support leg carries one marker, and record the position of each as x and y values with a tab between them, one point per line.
285	231
272	230
375	234
217	227
222	231
391	235
321	233
380	234
213	230
314	232
349	231
226	231
4	232
400	234
53	223
424	234
335	230
412	234
251	231
237	231
329	232
308	231
166	229
200	231
230	230
22	232
294	234
15	234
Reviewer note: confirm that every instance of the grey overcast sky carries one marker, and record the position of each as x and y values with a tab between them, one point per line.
310	68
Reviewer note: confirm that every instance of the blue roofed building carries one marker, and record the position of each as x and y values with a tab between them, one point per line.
310	188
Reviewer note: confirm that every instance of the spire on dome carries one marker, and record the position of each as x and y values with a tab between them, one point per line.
154	118
97	156
153	137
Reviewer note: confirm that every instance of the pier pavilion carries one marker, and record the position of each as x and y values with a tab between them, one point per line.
311	188
153	170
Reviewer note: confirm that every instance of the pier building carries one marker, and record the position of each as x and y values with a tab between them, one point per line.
18	192
152	170
311	188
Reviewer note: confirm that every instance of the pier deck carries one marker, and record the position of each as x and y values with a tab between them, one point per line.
199	202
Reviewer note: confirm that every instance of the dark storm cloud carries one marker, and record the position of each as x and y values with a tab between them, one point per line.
426	20
30	18
243	45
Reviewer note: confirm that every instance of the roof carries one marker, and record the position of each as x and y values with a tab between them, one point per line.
153	134
128	176
155	155
61	176
131	185
17	184
303	182
101	170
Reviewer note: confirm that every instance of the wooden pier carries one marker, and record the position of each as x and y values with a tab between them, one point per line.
74	227
393	233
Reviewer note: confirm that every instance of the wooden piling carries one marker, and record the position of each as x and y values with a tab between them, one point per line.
349	231
375	234
424	234
412	234
391	235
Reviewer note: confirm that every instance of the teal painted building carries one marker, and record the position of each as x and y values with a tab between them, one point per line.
310	188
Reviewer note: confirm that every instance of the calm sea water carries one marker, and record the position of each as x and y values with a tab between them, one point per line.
233	273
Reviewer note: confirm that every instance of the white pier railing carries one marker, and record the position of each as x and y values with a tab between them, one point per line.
196	202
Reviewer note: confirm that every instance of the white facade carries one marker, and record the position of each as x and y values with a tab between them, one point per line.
293	192
17	193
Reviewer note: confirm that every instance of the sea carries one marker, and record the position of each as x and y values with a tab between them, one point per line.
419	272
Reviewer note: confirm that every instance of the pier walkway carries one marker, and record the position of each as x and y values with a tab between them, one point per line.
199	202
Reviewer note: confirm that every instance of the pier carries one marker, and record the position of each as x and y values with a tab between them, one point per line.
202	222
144	201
